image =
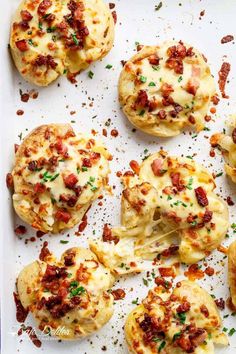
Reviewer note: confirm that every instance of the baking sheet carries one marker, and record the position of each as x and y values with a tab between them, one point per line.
95	102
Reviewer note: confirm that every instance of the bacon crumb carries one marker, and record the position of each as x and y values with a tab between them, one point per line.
223	75
227	39
118	294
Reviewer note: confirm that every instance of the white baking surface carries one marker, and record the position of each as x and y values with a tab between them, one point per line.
137	22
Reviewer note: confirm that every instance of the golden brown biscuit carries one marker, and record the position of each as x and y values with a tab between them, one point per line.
165	88
68	298
50	37
169	206
183	321
57	175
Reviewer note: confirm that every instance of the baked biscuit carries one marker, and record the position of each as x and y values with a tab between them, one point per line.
57	175
68	298
227	143
185	320
165	88
168	207
50	37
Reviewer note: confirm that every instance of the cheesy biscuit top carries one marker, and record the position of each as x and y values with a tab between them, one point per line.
54	37
57	175
165	88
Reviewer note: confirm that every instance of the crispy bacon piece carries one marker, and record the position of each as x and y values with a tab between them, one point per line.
61	148
69	259
201	196
184	343
39	188
209	271
45	60
204	310
43	7
21	312
22	45
162	114
70	180
142	99
118	294
86	162
160	281
227	39
223	75
135	166
192	86
220	303
20	230
114	15
198	337
107	235
63	215
184	307
69	199
44	253
173	249
53	272
81	274
207	216
26	15
154	59
175	179
176	64
166	90
166	272
9	180
157	167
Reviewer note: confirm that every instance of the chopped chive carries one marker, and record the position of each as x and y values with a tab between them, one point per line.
143	79
75	39
151	84
109	66
64	242
90	74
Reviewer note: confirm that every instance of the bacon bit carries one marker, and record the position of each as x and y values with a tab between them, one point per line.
43	7
220	303
194	272
40	233
44	253
175	179
104	132
212	153
62	215
139	47
207	216
223	74
45	60
72	77
20	230
222	249
210	271
207	118
191	119
39	188
111	5
16	147
184	307
201	196
128	174
70	180
204	310
167	272
227	39
107	235
192	86
162	114
26	15
61	148
202	13
114	133
154	59
9	180
176	64
114	15
234	135
22	45
83	223
20	112
69	259
213	110
229	201
159	281
118	173
142	99
215	100
118	294
135	166
166	90
157	167
173	249
21	312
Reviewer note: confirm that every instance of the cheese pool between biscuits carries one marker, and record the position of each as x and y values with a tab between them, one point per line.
164	89
57	175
